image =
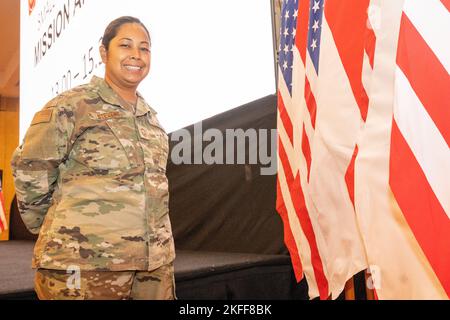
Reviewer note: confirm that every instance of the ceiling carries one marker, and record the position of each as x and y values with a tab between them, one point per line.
9	47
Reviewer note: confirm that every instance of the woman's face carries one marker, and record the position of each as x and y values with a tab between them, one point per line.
127	60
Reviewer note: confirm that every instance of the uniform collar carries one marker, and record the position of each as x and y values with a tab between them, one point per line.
142	107
110	96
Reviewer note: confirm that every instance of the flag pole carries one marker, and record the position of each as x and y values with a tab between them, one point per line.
349	289
369	292
275	7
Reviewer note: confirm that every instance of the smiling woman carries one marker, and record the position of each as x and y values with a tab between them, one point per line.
125	50
90	179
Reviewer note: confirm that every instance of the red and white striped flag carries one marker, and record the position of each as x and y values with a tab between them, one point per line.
402	171
3	223
420	155
322	105
364	129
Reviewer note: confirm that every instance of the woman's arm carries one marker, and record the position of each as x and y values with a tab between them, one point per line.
35	164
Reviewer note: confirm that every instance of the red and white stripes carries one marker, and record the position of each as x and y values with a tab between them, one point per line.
324	233
364	160
420	154
300	236
3	223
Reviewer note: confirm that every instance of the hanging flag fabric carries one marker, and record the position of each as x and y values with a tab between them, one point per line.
420	156
363	150
319	119
402	171
3	223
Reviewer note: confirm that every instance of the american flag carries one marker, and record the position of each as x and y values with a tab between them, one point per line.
320	228
402	169
363	150
3	224
420	154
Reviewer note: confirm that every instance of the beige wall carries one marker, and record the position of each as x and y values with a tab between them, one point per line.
9	139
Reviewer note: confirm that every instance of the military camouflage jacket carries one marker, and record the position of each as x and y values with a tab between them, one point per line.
90	179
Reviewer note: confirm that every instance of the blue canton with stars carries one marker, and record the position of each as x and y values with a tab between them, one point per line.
289	14
315	31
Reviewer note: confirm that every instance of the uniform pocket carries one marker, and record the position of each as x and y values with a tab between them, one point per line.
57	285
102	146
155	145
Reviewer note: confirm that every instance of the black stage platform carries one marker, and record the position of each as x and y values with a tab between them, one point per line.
199	275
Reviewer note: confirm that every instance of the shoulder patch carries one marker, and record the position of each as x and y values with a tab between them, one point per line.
42	116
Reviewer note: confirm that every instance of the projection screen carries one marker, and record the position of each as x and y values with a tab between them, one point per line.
208	56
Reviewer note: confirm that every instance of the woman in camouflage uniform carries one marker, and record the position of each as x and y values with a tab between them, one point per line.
90	179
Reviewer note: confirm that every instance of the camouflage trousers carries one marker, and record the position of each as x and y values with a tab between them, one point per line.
158	284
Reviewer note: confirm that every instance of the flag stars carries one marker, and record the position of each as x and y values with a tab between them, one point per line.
315	31
287	40
286	15
316	25
316	6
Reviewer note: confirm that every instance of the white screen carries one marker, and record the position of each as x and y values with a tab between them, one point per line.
208	56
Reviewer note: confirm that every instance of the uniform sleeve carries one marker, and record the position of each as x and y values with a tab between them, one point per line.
35	163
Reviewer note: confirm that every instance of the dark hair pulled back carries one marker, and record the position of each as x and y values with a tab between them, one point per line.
113	27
